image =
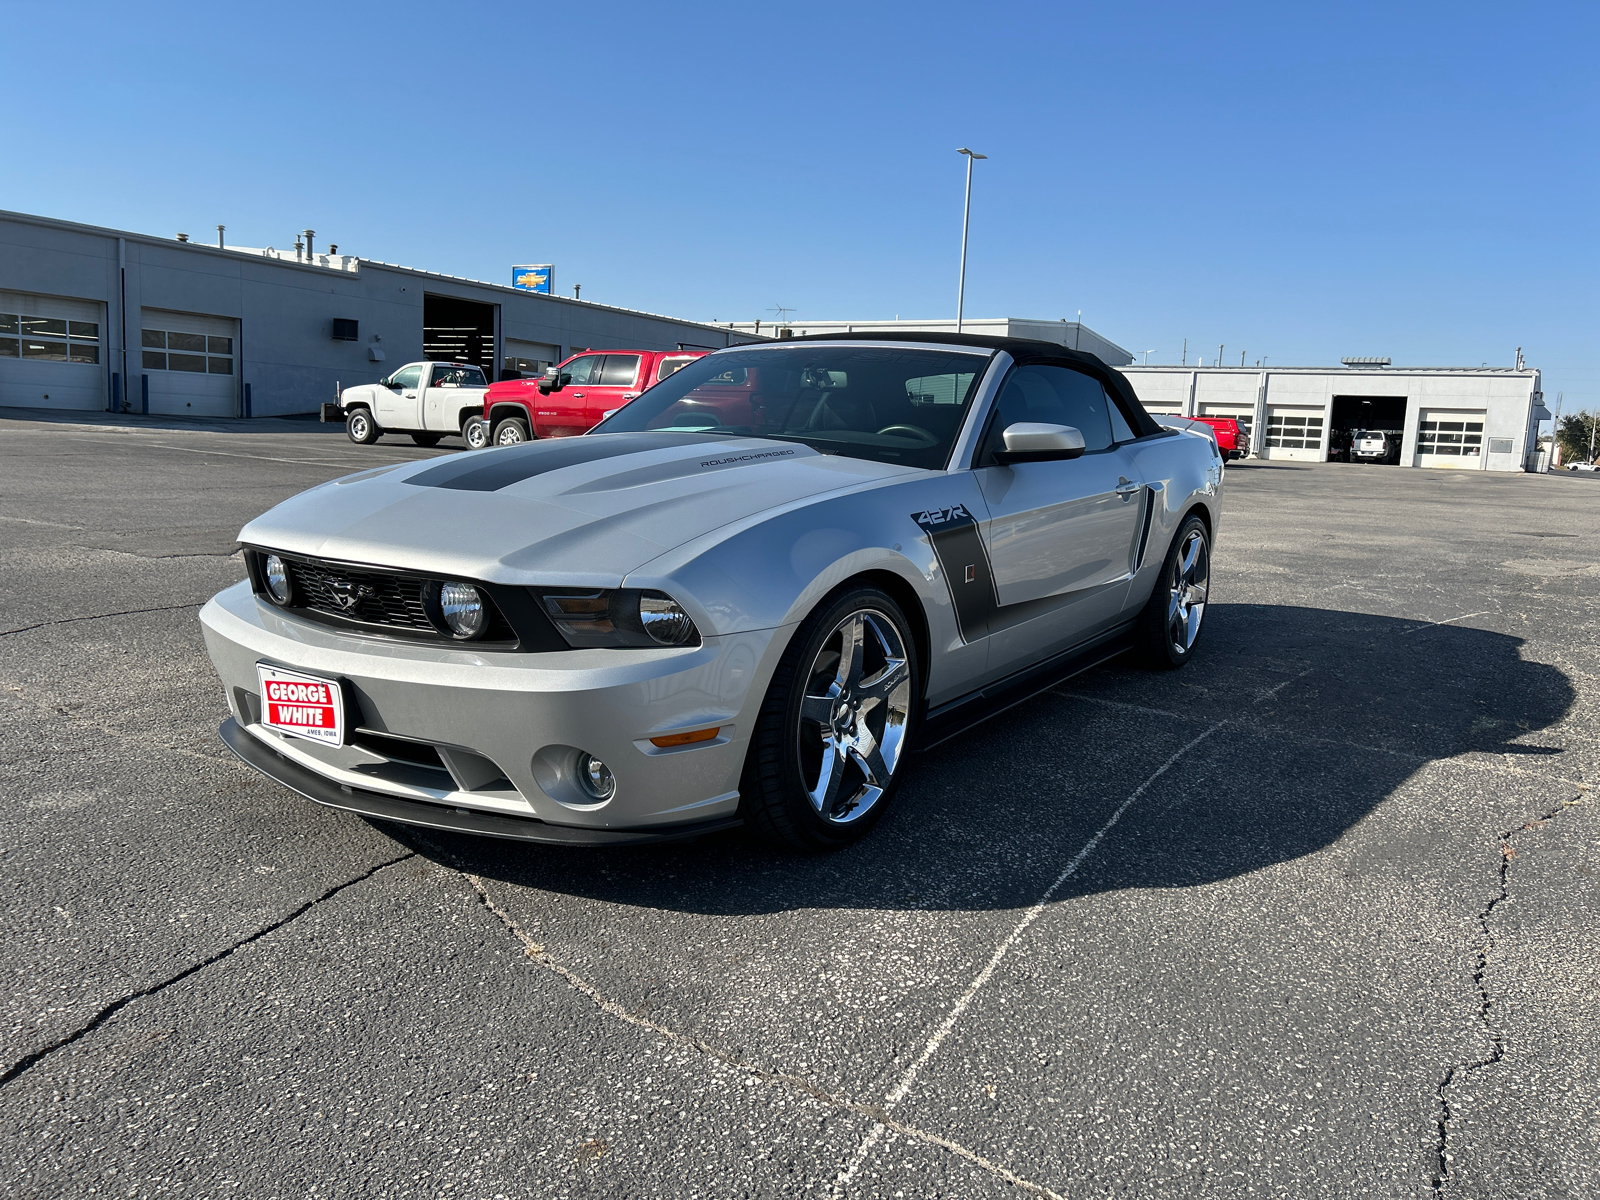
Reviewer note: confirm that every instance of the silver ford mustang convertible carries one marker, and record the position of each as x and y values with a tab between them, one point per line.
745	597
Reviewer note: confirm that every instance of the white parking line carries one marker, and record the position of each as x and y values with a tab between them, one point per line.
842	1183
1447	621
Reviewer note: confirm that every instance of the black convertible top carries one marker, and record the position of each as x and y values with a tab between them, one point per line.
1024	350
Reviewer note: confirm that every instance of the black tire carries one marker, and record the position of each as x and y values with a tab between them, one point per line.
791	746
426	439
360	427
1179	601
513	431
475	433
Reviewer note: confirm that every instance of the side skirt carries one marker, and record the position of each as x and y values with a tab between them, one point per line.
958	715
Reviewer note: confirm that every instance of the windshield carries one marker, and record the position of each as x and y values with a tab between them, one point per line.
888	405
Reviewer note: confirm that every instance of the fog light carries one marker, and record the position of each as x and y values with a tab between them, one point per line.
462	609
278	585
595	777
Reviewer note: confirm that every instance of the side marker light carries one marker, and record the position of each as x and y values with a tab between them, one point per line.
685	739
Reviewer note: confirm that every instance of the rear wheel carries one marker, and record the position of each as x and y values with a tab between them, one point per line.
425	439
1169	626
832	732
361	428
512	431
475	433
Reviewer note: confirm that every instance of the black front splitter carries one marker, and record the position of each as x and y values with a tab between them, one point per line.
254	753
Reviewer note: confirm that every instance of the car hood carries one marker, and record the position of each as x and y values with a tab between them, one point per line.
573	511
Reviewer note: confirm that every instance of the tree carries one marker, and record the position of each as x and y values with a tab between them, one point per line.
1578	432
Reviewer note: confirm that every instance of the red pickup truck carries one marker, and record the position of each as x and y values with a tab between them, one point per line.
574	396
1233	439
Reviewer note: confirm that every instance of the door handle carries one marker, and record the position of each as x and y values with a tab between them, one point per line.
411	395
629	395
1126	488
577	395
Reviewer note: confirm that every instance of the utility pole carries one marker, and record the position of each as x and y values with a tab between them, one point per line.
1241	358
966	217
1219	354
1185	361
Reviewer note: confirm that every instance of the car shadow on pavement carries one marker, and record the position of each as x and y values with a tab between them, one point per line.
1315	716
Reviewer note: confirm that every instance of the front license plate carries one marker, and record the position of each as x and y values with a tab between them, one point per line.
301	705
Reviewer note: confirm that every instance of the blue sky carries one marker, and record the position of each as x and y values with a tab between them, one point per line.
1302	182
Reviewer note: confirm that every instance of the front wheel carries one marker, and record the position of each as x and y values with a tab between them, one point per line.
361	428
1169	626
511	432
832	732
425	439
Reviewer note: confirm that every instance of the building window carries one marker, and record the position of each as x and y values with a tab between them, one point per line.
197	353
1461	438
49	339
1294	433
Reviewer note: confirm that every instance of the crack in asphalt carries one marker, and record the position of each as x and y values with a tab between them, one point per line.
846	1176
28	1062
1480	968
132	612
536	953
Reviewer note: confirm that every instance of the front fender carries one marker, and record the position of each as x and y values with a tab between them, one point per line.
770	572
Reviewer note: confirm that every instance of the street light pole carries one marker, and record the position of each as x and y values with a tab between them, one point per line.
966	216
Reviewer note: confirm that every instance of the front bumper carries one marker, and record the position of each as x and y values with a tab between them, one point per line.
487	742
275	766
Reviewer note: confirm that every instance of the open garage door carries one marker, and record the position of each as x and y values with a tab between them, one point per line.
188	363
455	330
1294	432
1450	438
51	352
1364	414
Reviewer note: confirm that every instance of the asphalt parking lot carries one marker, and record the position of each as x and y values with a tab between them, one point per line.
1316	916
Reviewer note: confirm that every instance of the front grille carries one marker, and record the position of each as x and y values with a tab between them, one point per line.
379	598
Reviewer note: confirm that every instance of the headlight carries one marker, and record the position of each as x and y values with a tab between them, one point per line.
620	617
278	585
461	606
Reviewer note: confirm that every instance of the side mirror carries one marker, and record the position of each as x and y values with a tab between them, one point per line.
554	380
1030	441
391	384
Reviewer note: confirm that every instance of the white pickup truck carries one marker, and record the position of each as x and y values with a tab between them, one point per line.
428	400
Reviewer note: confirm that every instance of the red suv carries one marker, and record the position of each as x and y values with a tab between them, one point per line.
575	396
1232	438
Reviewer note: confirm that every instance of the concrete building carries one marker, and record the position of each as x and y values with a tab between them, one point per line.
1465	418
99	319
1065	333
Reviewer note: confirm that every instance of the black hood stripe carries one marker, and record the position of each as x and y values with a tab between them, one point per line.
500	468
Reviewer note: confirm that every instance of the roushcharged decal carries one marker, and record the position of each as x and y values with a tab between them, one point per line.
958	546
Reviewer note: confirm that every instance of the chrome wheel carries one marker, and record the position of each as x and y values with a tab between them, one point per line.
853	716
476	434
510	433
1187	589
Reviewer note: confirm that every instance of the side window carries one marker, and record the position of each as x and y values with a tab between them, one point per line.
1121	431
669	365
1051	396
407	377
620	371
582	368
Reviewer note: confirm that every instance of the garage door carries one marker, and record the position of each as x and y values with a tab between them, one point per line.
527	359
1245	414
1294	433
52	352
1449	439
189	362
